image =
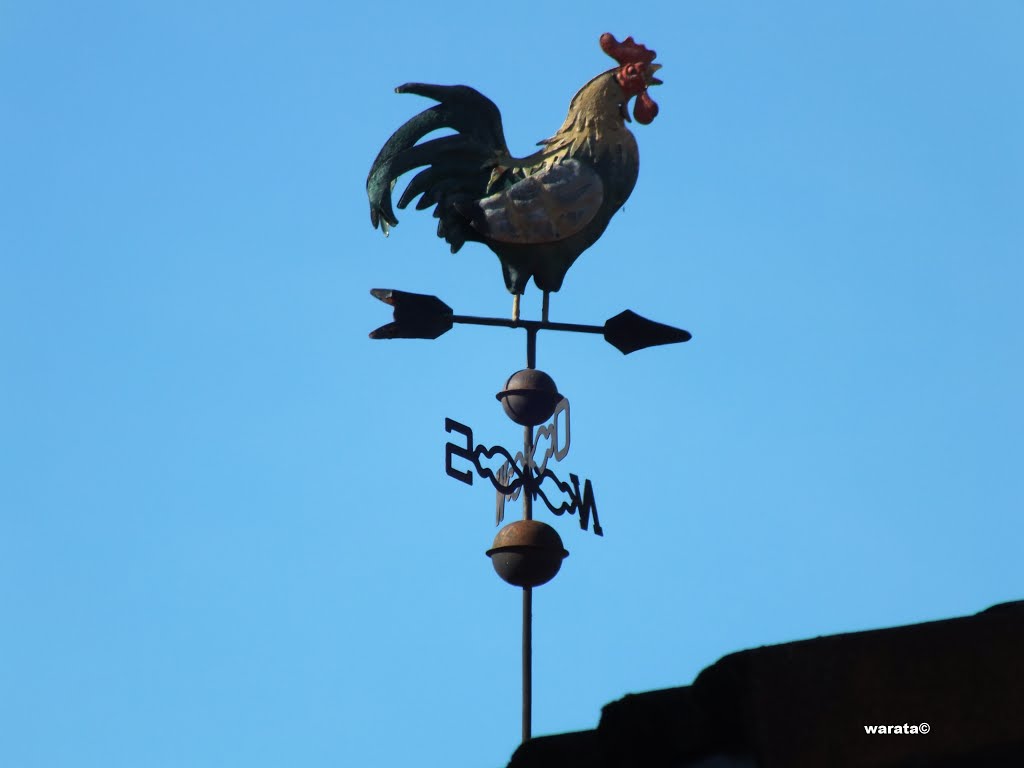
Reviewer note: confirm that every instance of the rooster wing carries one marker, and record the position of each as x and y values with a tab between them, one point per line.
549	205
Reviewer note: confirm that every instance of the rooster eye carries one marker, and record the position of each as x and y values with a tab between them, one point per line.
631	78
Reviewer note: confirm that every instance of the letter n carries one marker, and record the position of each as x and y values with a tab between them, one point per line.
586	505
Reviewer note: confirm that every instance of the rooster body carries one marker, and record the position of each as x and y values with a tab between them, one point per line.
537	213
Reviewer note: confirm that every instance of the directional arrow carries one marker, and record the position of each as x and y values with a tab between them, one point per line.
418	316
628	332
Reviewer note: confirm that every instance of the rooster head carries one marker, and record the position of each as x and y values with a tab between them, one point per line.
635	74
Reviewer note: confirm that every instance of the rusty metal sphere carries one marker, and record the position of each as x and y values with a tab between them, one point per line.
527	553
529	397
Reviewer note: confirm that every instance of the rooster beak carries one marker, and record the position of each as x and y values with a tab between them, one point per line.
651	79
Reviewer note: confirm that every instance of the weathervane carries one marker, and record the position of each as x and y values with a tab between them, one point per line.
537	214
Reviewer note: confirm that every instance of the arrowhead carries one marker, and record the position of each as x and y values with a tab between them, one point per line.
417	316
628	332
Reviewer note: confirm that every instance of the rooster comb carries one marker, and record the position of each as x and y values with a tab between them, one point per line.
626	52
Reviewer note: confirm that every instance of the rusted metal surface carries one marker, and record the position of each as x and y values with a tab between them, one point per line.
529	533
529	397
527	553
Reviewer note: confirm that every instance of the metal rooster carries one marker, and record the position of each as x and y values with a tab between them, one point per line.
537	213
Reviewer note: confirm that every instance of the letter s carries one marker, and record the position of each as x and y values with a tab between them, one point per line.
450	449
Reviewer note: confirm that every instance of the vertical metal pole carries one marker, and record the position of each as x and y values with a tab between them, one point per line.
528	473
531	362
527	662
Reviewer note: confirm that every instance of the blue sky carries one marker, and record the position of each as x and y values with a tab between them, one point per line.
226	535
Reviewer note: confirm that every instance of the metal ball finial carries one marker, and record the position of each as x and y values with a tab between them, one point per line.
529	397
527	553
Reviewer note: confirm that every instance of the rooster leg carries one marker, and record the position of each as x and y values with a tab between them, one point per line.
544	307
515	307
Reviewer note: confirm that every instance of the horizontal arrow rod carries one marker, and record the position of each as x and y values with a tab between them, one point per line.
530	325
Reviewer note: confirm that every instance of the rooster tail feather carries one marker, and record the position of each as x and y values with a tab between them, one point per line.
458	166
